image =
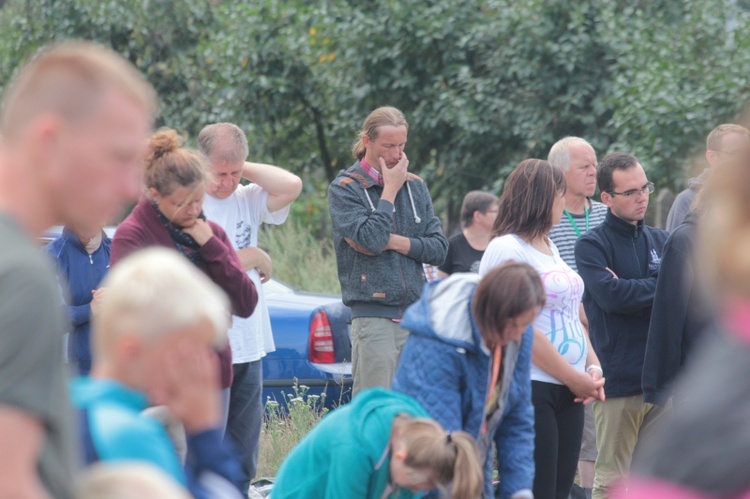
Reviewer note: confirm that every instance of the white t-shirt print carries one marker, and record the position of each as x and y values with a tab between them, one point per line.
240	215
560	319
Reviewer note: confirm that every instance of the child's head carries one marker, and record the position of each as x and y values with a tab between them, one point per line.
506	301
425	457
128	481
153	301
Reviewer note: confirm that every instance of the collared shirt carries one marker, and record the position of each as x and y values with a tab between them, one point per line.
372	172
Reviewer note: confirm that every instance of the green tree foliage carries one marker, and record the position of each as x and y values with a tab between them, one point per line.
484	83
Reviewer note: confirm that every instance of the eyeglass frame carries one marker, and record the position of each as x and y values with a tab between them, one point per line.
649	187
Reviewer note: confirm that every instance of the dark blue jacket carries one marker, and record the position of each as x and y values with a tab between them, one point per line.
681	313
619	309
446	367
79	273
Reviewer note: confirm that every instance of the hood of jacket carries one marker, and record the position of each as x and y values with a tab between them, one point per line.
437	314
374	410
360	176
696	183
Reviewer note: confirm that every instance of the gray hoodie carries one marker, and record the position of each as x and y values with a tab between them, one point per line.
376	282
684	201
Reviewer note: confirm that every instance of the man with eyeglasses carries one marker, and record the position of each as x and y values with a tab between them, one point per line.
724	143
619	262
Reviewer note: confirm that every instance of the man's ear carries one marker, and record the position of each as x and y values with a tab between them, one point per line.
43	137
154	194
365	140
399	452
710	157
607	199
128	347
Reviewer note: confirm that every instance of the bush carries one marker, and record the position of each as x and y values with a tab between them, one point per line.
284	429
299	259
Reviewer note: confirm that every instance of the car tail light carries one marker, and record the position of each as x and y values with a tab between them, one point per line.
321	339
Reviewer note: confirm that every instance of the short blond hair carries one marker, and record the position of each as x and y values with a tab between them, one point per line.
713	141
725	230
154	292
223	141
128	481
67	79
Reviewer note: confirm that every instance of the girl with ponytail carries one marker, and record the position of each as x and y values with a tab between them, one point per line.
381	445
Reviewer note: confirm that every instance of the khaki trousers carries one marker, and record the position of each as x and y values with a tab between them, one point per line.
620	423
376	348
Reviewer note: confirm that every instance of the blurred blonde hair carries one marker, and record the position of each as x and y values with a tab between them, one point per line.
713	141
68	79
128	481
724	243
154	292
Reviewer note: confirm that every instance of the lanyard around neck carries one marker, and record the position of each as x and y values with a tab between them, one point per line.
573	222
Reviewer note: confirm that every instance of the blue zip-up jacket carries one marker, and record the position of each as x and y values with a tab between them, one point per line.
619	309
446	367
79	273
113	429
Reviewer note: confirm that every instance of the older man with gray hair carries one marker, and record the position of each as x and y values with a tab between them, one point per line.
576	157
240	210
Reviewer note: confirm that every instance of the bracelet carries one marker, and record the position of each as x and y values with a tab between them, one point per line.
594	366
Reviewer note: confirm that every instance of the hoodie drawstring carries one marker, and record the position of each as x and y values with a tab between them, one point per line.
413	208
372	206
411	198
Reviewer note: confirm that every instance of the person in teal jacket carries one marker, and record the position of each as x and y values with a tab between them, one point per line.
380	445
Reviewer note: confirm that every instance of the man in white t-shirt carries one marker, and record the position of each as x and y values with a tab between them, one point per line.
240	210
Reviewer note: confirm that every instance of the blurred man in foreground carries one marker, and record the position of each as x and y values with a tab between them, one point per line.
74	126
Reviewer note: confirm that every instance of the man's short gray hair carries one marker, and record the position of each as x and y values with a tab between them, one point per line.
154	292
559	153
224	142
714	139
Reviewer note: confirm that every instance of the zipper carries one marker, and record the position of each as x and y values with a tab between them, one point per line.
401	306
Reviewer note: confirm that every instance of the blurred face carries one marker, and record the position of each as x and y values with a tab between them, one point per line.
486	220
149	357
223	178
414	479
389	145
91	166
182	206
581	176
732	146
629	199
558	207
515	326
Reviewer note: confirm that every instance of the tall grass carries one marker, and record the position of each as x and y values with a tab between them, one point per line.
282	430
299	259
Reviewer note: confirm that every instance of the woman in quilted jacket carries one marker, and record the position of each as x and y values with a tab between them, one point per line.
467	362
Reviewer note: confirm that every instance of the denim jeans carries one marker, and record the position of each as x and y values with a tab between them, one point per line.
246	416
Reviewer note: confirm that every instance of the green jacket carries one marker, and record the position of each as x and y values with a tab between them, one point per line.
346	455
